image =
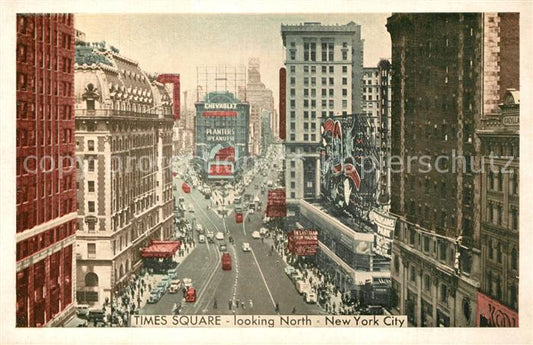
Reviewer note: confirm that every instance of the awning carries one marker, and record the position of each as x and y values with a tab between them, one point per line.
161	249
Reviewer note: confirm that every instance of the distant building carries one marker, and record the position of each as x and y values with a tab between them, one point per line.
500	209
446	77
221	135
324	71
260	98
124	122
46	191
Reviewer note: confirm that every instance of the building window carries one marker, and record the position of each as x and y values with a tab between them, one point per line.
443	293
327	52
412	273
514	259
344	69
499	253
344	55
293	69
344	81
90	206
324	69
331	92
293	92
90	226
90	186
293	54
345	92
293	81
331	81
427	282
426	244
91	250
90	145
442	251
331	69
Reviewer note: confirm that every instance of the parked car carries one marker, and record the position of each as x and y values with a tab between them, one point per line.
187	282
174	286
199	228
302	287
289	270
263	231
310	297
201	239
256	235
246	247
95	315
220	236
82	311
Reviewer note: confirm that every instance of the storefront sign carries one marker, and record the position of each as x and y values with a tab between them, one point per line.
220	106
511	120
494	314
303	242
225	135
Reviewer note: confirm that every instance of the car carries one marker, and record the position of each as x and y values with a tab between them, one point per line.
187	282
310	297
82	311
96	315
256	234
263	231
220	236
199	228
246	247
191	209
223	247
289	270
251	211
174	286
201	239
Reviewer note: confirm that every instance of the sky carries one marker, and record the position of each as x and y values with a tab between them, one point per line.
178	43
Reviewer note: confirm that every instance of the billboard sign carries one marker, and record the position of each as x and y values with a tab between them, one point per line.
302	242
493	314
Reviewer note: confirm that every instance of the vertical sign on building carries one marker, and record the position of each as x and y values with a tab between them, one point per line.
175	80
282	102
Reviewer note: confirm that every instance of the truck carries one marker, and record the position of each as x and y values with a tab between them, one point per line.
226	261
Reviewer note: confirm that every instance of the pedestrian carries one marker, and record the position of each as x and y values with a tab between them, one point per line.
229	304
277	307
215	304
237	303
243	305
251	303
294	310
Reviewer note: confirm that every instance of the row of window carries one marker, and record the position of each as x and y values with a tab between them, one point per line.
26	82
44	240
310	51
324	69
26	110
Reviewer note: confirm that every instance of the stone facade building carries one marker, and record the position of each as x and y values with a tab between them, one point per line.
324	71
500	148
124	127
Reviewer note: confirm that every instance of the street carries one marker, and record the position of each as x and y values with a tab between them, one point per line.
257	281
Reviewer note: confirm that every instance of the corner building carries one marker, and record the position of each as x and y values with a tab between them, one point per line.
324	71
46	194
447	73
500	209
124	124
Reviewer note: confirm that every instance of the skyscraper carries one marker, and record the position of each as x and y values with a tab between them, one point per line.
324	66
46	206
446	77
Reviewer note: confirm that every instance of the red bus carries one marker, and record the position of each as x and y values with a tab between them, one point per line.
186	188
190	296
226	261
238	217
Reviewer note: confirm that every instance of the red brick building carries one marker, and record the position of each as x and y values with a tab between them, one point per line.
46	194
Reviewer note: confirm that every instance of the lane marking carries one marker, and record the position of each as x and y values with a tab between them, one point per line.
262	276
200	294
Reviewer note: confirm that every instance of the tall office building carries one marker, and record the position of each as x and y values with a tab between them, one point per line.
124	123
324	71
446	77
260	98
46	194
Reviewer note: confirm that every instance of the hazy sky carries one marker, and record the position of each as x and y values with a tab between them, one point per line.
177	43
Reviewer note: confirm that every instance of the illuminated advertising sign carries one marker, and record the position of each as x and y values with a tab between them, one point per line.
349	158
384	233
302	242
222	125
494	314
